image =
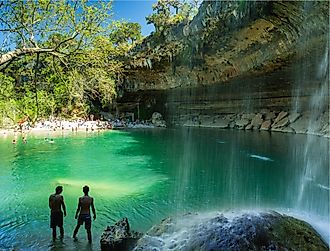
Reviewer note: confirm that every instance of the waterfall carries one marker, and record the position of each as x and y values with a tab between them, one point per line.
314	178
317	106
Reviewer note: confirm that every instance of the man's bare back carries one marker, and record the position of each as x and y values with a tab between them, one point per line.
85	203
55	202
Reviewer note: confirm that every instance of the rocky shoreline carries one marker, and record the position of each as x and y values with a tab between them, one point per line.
265	120
273	121
233	60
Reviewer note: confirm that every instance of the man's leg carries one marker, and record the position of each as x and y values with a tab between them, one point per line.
88	226
76	231
62	232
60	224
89	235
54	233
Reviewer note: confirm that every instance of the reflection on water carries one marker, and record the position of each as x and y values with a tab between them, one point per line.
149	175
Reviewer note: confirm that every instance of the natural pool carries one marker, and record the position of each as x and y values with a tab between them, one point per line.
147	175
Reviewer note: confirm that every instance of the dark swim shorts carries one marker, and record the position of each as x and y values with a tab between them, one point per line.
85	218
56	219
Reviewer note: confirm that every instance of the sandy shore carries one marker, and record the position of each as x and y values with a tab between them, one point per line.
48	132
45	132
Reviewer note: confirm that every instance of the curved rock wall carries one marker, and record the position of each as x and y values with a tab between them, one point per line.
235	57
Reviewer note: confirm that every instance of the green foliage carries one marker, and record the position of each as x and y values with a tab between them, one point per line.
168	13
31	23
123	32
6	98
80	51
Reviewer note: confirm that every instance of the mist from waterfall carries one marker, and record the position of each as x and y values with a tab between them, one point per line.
313	169
253	176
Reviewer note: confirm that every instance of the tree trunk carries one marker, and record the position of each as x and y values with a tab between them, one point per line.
35	85
5	58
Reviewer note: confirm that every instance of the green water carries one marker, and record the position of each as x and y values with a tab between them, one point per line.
147	175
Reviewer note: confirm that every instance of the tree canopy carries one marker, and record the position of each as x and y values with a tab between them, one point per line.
64	57
56	27
168	13
60	57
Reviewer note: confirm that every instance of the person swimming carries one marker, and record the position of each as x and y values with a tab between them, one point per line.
51	141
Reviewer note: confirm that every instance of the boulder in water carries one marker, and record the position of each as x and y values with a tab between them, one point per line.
293	117
248	116
248	231
280	117
221	123
118	237
282	123
249	127
265	126
257	121
241	123
270	116
301	124
157	120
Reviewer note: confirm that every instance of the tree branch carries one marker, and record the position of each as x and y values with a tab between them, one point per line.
5	58
74	35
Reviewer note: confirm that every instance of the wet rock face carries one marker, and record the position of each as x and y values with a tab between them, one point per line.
233	57
228	39
118	237
262	231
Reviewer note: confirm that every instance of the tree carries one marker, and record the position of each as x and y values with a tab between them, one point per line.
60	57
125	32
66	26
168	13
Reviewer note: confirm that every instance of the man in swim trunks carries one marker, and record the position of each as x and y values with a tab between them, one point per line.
84	204
56	202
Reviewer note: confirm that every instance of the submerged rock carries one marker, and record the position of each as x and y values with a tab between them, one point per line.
250	231
285	129
118	237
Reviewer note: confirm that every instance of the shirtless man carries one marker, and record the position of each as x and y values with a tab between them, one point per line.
84	204
56	201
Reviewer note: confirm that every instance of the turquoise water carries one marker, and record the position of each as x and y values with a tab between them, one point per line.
147	175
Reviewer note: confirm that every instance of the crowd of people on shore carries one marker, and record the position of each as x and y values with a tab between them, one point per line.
86	125
78	125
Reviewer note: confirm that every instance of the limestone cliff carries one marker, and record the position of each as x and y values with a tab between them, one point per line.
234	57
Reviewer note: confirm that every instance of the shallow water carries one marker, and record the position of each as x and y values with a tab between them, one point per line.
147	175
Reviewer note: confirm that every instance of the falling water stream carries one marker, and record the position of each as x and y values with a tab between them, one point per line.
148	175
